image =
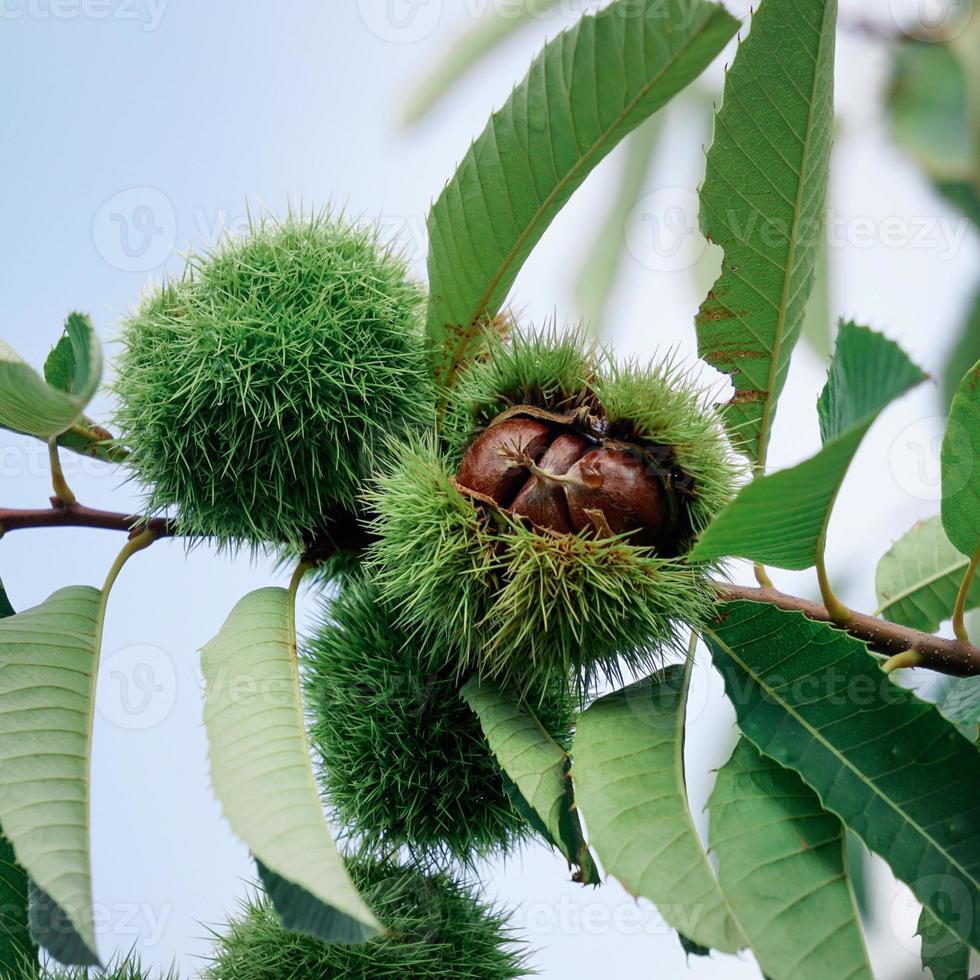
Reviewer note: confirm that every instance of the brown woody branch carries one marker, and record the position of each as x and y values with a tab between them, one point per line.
934	652
77	515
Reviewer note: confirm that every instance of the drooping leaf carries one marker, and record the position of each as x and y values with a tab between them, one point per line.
781	519
300	911
599	269
589	87
30	405
886	763
48	662
763	201
466	52
944	955
16	945
538	767
781	864
919	577
960	466
260	761
630	786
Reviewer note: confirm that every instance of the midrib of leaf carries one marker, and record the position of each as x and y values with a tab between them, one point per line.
774	365
816	735
921	584
576	169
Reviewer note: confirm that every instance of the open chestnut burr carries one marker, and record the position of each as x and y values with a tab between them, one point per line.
565	475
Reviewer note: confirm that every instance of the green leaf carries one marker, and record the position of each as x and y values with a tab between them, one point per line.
867	373
16	945
782	519
919	577
537	765
31	406
960	466
260	761
886	763
781	862
466	52
630	786
48	663
589	87
763	201
943	955
300	911
60	366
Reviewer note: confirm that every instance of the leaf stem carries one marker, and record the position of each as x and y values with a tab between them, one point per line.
140	541
762	576
58	482
959	610
301	569
839	613
907	658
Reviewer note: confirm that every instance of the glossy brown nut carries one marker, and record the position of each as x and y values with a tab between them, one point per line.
492	466
542	500
623	487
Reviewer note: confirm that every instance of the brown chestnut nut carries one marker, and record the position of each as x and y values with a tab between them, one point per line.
623	488
542	499
494	463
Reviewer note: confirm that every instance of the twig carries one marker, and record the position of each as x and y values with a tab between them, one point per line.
934	652
77	515
953	657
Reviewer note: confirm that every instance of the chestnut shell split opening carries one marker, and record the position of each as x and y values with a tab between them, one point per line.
564	474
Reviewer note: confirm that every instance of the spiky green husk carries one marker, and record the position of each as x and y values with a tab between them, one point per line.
526	608
523	605
255	390
442	932
659	403
125	968
403	758
553	370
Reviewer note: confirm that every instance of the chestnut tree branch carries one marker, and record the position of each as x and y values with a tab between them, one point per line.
955	657
935	652
60	514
